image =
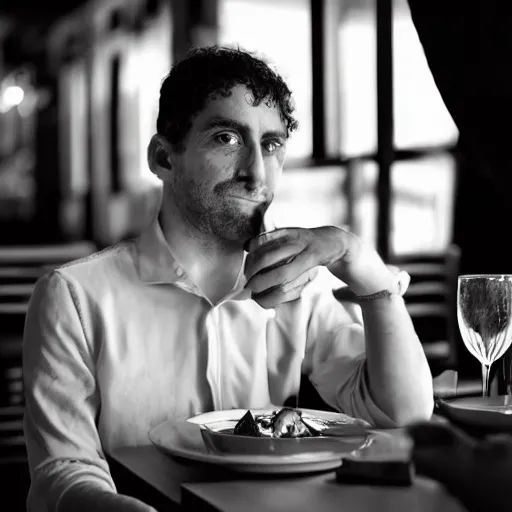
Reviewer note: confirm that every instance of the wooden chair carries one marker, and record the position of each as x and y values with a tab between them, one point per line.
11	378
40	255
20	267
16	274
431	300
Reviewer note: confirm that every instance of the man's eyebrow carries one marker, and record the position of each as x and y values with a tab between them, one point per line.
225	122
276	134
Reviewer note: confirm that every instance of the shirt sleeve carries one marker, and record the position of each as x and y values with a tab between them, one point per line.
62	398
335	355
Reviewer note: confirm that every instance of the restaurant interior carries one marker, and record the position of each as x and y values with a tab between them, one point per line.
404	109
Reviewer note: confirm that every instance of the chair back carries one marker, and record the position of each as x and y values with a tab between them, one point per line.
20	267
431	300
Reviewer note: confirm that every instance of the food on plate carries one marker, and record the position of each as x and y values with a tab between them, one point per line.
285	423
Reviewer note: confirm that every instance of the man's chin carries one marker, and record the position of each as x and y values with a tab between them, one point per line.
243	239
239	235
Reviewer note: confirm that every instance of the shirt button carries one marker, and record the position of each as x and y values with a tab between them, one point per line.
180	272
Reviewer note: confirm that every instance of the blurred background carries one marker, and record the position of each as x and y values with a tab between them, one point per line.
79	91
378	149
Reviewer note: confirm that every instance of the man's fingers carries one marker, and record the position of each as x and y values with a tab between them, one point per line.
275	297
270	236
283	293
299	283
280	276
276	255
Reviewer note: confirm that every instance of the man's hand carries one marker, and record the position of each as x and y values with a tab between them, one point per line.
479	473
282	262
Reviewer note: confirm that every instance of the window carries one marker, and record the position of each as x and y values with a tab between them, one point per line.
421	118
422	204
309	198
341	188
358	81
422	187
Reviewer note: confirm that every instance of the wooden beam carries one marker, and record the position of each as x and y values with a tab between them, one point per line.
318	96
385	128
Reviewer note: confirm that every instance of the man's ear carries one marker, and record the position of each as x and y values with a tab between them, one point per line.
159	157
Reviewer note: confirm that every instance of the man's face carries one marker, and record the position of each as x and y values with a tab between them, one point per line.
224	180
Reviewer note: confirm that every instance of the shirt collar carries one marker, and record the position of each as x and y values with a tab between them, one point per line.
157	264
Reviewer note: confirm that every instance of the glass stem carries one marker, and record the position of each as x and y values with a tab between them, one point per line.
485	380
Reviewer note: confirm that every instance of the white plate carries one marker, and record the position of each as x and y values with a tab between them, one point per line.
492	413
184	439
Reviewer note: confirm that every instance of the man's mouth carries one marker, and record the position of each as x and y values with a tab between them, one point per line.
249	199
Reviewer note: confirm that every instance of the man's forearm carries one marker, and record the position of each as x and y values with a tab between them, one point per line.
398	372
87	497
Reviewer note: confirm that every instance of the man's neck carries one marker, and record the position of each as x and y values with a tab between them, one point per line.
211	264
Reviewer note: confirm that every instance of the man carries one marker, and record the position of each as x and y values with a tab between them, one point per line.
182	320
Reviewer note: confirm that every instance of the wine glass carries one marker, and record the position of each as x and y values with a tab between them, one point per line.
484	309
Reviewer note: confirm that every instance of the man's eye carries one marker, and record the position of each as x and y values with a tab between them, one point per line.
227	139
272	146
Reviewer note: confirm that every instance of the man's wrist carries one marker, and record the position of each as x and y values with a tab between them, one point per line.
362	269
370	279
398	287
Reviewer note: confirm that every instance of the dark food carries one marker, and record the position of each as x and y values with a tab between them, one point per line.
247	426
284	423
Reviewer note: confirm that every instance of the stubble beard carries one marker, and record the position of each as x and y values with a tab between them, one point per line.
233	225
216	217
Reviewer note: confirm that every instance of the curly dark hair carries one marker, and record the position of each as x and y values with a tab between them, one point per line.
212	71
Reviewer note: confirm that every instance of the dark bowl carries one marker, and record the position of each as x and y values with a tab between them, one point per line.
218	437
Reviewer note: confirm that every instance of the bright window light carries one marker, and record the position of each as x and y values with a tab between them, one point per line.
420	115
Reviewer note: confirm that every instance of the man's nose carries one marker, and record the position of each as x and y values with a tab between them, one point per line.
253	168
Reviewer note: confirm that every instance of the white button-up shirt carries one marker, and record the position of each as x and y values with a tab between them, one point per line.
122	340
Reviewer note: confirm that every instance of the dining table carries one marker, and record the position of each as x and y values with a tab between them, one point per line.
172	483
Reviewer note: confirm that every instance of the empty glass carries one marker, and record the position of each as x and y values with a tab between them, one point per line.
484	307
